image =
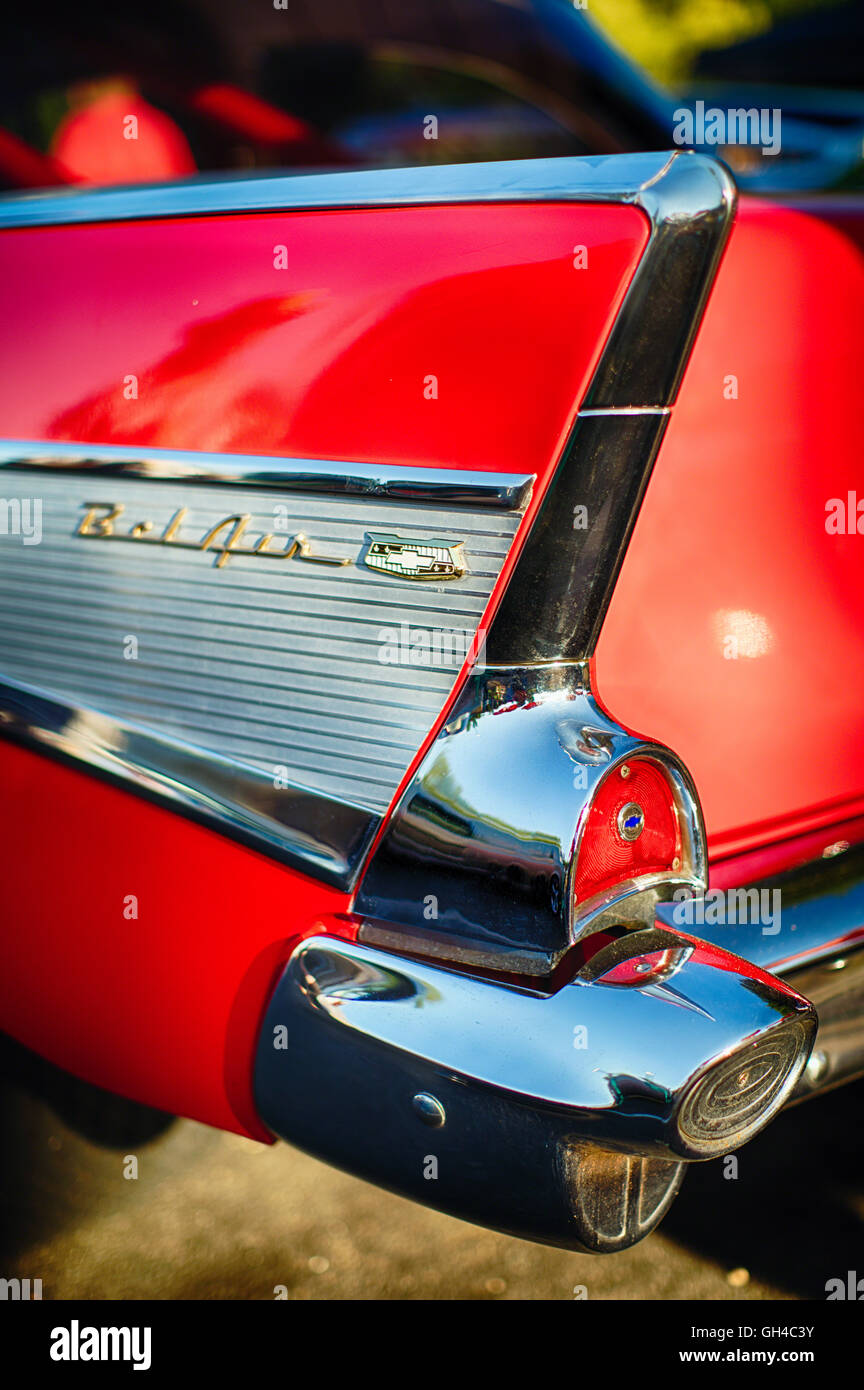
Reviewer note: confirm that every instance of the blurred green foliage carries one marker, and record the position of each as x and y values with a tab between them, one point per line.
665	36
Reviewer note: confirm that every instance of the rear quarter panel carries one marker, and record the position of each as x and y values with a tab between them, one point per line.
736	630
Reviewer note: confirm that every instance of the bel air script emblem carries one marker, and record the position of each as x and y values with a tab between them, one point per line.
225	539
413	559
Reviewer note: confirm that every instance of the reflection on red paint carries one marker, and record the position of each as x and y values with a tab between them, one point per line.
143	409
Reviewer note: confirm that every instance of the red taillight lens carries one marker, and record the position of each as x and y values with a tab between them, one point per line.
631	829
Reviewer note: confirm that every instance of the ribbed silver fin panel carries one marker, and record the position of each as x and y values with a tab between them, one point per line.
327	676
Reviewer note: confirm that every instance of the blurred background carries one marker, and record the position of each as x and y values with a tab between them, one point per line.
232	85
754	40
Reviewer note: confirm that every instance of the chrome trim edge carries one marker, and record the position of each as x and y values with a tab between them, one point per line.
564	578
596	178
627	410
690	206
835	988
510	492
305	830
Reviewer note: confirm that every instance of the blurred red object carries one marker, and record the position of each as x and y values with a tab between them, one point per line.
24	167
120	138
263	124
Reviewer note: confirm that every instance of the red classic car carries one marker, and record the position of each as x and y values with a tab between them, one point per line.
431	649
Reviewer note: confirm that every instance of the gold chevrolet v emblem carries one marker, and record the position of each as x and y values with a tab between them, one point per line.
224	539
415	558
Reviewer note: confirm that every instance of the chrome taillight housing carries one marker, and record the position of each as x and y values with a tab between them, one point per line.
533	820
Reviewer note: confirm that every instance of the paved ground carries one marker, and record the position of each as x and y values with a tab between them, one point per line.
218	1217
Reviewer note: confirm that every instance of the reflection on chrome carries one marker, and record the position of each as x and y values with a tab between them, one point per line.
492	824
542	1102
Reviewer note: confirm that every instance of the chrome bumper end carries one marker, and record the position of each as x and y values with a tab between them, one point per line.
563	1118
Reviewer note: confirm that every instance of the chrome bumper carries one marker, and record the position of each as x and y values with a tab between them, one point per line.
567	1117
564	1118
815	942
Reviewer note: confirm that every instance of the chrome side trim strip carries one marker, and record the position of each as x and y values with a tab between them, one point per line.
796	919
303	658
601	178
835	988
308	831
629	410
509	492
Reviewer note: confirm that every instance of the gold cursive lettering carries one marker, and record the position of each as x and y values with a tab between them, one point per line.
92	525
238	524
224	539
174	525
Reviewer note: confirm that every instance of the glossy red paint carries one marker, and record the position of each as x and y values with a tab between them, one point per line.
731	546
327	359
782	855
163	1007
330	357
